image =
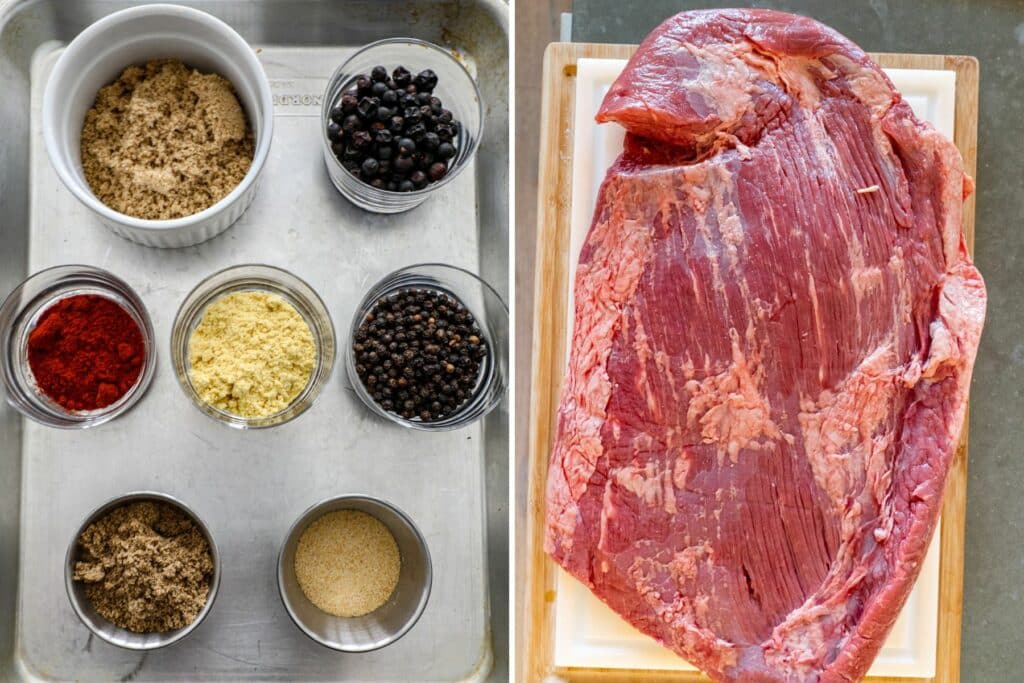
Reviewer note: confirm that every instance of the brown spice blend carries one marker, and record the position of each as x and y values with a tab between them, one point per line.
146	567
164	141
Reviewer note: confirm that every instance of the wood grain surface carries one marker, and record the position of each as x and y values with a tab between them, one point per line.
548	355
537	24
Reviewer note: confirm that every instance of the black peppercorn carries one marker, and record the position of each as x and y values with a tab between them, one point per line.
404	163
411	114
370	167
334	132
401	76
368	107
416	132
406	146
430	142
445	131
361	140
425	80
351	123
399	124
348	105
437	170
434	380
445	150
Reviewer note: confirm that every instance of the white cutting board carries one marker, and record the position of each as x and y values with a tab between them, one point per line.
587	632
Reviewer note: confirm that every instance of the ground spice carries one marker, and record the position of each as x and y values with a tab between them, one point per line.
251	354
347	563
146	566
85	352
163	141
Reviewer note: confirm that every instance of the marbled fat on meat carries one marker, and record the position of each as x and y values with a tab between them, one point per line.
776	320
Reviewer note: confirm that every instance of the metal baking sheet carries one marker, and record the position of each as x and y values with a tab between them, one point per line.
250	486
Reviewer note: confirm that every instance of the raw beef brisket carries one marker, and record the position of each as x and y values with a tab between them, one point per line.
776	320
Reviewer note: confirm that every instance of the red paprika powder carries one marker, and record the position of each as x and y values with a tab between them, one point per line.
85	352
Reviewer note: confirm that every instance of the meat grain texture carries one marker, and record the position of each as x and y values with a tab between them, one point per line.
776	321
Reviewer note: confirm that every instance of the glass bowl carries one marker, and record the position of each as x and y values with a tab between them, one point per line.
491	316
19	315
387	623
97	624
456	89
261	278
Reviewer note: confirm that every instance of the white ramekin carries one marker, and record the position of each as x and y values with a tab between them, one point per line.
134	36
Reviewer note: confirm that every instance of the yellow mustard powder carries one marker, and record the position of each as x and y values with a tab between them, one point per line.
251	354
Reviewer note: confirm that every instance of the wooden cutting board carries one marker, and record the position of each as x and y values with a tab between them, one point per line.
549	360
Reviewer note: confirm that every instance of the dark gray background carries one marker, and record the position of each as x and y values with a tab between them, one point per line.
993	624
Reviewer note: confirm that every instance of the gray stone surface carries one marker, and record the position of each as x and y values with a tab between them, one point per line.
992	31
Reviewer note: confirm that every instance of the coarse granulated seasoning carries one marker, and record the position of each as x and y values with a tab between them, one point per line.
164	141
146	566
347	563
251	354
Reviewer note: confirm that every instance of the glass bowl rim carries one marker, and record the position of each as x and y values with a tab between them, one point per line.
129	300
360	389
325	110
223	416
